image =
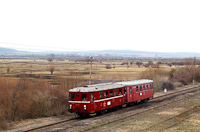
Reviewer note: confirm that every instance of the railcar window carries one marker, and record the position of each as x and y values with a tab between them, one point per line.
106	94
137	89
120	92
130	90
92	98
150	86
115	93
144	88
147	87
101	95
111	93
140	88
72	97
84	97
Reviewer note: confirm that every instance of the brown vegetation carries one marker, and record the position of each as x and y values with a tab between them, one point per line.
8	69
108	66
124	63
52	68
50	59
139	63
24	98
183	75
157	75
46	95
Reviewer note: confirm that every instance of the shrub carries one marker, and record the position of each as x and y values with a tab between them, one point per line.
52	68
108	66
50	59
8	69
124	63
167	85
178	84
181	75
157	75
24	98
3	124
139	63
197	75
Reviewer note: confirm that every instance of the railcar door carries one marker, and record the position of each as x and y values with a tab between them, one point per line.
130	94
125	94
144	92
92	103
84	100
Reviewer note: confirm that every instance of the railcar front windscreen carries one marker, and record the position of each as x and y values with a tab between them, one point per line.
72	97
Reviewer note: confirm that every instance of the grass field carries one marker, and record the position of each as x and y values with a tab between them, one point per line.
29	90
72	69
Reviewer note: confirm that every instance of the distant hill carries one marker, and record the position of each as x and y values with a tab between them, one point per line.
122	53
134	53
9	51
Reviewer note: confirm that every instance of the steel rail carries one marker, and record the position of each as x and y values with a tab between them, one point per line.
193	114
152	108
182	116
75	119
178	91
49	125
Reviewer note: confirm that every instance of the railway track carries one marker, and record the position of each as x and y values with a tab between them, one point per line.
155	100
52	124
166	124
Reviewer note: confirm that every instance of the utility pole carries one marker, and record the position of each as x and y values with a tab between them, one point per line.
194	70
90	69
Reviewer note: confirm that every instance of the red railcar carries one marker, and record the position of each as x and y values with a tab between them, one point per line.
100	97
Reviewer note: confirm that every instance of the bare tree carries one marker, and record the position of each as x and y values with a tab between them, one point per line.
8	69
108	66
50	59
52	68
87	60
150	63
124	63
188	61
169	64
139	63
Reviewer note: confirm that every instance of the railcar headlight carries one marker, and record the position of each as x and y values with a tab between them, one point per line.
70	106
84	107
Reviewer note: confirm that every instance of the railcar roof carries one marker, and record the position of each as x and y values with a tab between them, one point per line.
135	82
108	86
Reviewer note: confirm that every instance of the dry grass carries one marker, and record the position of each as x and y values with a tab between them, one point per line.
69	69
30	91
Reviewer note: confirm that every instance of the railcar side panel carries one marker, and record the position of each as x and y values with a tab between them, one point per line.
98	97
139	92
95	101
109	98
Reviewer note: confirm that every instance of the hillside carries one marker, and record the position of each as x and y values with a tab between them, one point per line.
9	51
124	53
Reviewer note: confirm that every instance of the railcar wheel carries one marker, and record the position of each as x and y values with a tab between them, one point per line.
145	100
131	104
103	112
124	105
83	115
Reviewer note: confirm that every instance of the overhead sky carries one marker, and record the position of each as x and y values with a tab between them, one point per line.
148	25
